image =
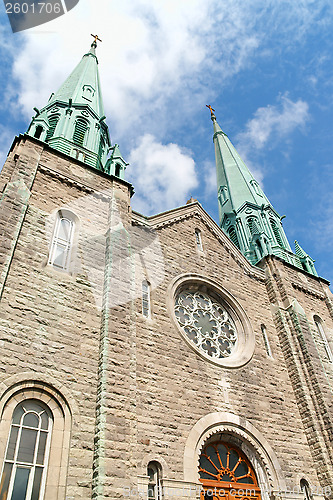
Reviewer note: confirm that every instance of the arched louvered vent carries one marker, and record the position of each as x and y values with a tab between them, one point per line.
276	233
81	127
233	236
253	226
53	120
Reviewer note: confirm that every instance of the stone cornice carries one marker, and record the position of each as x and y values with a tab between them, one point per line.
71	182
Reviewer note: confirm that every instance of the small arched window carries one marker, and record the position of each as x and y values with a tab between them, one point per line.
154	472
276	233
322	338
233	236
62	240
80	132
117	170
27	452
266	341
146	299
198	240
53	121
38	131
305	489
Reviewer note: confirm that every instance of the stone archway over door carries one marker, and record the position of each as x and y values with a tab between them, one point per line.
226	473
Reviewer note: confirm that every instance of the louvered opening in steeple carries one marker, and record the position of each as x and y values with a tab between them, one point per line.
233	236
80	131
276	233
53	121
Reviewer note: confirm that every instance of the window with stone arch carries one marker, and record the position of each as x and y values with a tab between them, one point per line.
154	473
305	489
27	452
32	461
198	240
63	240
225	467
322	338
146	307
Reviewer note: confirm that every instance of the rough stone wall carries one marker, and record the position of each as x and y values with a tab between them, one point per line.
139	387
176	387
50	320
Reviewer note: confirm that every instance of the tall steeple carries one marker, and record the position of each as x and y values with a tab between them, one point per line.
73	120
245	213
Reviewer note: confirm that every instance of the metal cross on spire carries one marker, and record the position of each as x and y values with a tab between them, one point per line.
211	109
96	38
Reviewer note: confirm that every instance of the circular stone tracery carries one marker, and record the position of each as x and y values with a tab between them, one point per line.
206	323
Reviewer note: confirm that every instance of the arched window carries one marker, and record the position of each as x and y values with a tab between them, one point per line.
38	131
117	170
62	240
266	341
154	471
53	121
27	452
223	466
233	236
80	131
146	299
276	233
198	240
322	338
305	488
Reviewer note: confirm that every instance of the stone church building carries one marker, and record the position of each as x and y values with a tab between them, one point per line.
162	357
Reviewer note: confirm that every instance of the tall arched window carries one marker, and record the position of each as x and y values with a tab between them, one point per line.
62	240
24	470
266	341
198	240
146	299
154	471
80	132
53	121
322	338
305	488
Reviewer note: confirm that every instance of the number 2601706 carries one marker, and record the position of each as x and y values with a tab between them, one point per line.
33	8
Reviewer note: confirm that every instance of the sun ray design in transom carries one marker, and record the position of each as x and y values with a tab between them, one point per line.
224	463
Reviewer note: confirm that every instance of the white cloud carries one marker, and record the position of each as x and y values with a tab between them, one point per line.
274	122
269	126
163	174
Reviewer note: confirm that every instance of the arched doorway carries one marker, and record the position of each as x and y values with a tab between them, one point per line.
226	473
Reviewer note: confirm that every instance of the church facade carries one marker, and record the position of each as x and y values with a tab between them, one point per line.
153	357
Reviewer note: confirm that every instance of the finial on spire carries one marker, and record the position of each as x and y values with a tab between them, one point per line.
95	40
212	111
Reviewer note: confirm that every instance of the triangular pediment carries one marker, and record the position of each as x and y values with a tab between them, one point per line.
189	211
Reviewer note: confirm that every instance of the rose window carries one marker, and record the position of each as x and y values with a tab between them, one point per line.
206	323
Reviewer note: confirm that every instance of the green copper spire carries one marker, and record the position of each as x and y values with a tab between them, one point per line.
245	212
73	120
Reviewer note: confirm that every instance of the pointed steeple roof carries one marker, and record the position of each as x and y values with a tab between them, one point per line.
233	173
83	84
73	120
245	213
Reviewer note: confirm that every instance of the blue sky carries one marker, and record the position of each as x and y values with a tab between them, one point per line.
265	67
